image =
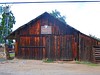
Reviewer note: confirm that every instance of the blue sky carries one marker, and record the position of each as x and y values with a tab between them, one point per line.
85	17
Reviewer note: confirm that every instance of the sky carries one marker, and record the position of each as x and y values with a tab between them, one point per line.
85	17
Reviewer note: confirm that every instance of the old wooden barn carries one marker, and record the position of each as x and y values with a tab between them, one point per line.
47	37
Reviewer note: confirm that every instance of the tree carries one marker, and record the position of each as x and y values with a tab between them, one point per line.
93	36
6	25
57	15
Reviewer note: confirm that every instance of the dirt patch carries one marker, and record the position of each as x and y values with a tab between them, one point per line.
38	67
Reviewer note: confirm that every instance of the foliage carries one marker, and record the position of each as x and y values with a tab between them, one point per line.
87	63
48	60
93	36
57	15
4	29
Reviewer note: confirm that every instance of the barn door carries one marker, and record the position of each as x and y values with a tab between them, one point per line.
59	47
52	47
32	47
48	46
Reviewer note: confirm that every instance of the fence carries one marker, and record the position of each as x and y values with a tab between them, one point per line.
96	54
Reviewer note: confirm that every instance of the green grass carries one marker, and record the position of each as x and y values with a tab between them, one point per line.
87	63
48	60
12	54
2	59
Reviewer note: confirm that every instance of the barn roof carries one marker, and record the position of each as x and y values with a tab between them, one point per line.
12	35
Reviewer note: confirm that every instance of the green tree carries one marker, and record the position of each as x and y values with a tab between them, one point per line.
93	36
6	29
57	15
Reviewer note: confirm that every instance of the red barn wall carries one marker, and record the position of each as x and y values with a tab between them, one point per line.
65	43
30	43
85	47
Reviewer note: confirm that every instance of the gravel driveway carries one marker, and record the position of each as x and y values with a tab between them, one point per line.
38	67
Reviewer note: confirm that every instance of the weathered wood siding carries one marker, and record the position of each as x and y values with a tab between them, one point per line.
96	54
60	45
52	47
65	42
85	47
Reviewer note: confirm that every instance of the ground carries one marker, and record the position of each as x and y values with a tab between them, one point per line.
38	67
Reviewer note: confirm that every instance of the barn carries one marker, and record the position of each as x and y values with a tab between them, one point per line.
48	37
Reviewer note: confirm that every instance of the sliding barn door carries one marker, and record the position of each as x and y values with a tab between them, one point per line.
59	47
